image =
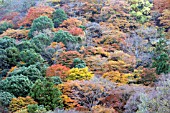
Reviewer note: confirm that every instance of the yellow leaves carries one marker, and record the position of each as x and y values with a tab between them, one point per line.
18	34
20	102
80	74
116	76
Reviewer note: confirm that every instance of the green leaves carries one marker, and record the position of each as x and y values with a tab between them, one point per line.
39	24
4	26
44	92
58	17
17	85
141	10
65	37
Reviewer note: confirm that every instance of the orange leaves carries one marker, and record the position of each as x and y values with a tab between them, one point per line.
71	23
76	31
18	34
35	12
57	70
66	58
68	102
86	93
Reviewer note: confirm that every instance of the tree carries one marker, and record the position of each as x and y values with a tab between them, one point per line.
17	85
58	17
39	24
44	92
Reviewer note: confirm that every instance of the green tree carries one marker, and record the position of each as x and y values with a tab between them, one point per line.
44	92
161	59
39	24
30	57
58	17
17	85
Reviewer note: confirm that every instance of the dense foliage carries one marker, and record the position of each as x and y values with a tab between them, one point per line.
84	56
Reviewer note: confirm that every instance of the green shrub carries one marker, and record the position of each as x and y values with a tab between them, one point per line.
34	108
4	60
41	41
26	44
56	80
31	72
44	92
39	24
13	56
4	26
65	37
6	42
58	17
78	63
161	59
5	98
140	9
17	85
162	64
30	57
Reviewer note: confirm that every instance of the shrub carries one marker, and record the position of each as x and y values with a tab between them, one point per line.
27	44
68	102
79	74
5	98
65	38
30	57
4	60
162	64
58	17
71	23
116	76
156	101
164	19
35	12
102	109
41	41
141	9
6	42
57	70
17	85
44	92
148	76
56	80
78	63
76	31
34	108
13	55
16	33
85	93
66	58
4	26
32	72
43	22
161	58
20	103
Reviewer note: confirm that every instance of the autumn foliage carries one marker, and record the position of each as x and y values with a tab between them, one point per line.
35	12
57	70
